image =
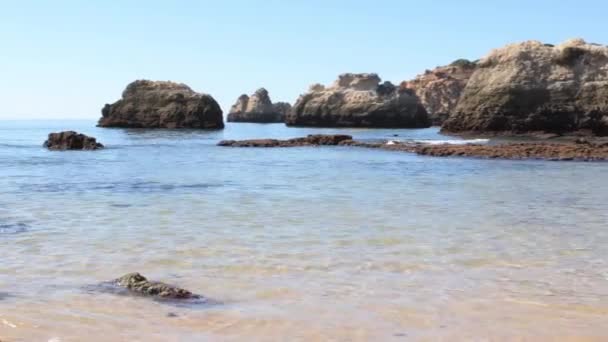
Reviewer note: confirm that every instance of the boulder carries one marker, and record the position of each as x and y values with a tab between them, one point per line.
535	87
257	108
70	140
159	104
439	89
358	100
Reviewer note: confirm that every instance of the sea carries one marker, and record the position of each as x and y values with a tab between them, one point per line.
296	244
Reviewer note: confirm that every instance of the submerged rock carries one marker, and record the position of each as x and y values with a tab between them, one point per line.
258	108
358	100
536	87
439	89
157	104
137	283
311	140
582	150
548	151
70	140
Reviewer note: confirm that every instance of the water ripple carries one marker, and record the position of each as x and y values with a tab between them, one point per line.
120	187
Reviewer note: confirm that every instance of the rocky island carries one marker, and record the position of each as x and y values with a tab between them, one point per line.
258	108
160	104
533	87
439	89
70	140
359	100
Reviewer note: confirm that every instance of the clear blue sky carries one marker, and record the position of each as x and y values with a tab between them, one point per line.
65	59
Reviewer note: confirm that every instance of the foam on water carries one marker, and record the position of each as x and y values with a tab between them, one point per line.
443	141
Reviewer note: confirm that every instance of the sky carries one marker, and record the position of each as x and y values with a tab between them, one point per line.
65	59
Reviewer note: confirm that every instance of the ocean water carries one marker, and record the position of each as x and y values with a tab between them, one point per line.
310	244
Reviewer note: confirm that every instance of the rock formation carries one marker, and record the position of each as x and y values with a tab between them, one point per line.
70	140
536	87
283	108
151	104
440	89
311	140
358	100
258	108
580	149
137	283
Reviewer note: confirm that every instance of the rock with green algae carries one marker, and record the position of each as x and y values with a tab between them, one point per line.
137	283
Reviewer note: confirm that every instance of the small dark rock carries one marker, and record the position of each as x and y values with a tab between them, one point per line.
70	140
137	283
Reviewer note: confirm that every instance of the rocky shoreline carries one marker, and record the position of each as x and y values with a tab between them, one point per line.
581	150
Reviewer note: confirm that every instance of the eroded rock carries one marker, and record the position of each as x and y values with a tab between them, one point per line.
70	140
258	108
159	104
358	100
536	87
439	89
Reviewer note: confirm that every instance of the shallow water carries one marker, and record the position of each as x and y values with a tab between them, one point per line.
331	243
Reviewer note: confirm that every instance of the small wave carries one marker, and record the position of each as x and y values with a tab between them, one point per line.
442	142
13	228
145	187
20	146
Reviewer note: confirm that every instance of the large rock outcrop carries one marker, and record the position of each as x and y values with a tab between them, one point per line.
358	100
70	140
535	87
439	89
258	108
159	104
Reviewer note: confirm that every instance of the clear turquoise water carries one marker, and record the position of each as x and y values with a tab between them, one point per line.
308	243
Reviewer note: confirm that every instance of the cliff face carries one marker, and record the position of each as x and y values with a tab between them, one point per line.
158	104
358	100
439	89
257	108
536	87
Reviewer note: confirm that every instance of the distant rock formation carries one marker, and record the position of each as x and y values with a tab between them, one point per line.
536	87
283	108
70	140
158	104
258	108
358	100
311	140
439	89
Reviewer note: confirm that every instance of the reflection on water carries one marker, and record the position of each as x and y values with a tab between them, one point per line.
302	244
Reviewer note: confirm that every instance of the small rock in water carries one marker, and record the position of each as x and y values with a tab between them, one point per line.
172	315
137	283
70	140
